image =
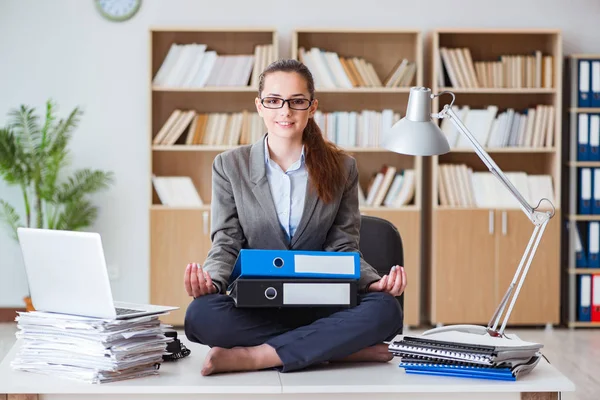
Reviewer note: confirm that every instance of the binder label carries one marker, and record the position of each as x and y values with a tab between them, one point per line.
341	265
316	293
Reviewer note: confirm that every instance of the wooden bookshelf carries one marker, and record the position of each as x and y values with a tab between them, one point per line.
383	49
179	235
574	221
475	251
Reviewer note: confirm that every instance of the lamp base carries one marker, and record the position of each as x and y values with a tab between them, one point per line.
476	329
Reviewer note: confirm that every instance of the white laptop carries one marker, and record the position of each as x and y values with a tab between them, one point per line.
66	271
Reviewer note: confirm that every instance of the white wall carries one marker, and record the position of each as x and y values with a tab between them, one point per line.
63	49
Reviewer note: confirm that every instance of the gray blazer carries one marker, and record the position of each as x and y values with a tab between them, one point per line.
244	215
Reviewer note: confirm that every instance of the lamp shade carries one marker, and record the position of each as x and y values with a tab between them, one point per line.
416	134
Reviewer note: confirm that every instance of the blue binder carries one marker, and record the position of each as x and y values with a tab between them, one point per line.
584	298
583	137
584	90
255	263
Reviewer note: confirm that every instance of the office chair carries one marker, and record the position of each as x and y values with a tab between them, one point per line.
381	246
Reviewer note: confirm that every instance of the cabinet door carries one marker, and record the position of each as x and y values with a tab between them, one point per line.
539	298
178	237
463	274
408	224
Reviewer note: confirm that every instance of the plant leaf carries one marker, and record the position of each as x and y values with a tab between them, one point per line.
9	215
77	214
26	126
83	182
13	167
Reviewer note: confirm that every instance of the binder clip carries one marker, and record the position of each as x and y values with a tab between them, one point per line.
175	349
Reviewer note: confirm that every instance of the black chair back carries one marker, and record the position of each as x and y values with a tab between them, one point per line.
381	246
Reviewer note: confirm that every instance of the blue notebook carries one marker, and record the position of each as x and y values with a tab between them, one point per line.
255	263
463	371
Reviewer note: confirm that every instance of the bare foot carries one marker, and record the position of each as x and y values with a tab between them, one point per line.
378	353
254	358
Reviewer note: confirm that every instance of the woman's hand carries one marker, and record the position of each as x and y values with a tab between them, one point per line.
197	281
394	283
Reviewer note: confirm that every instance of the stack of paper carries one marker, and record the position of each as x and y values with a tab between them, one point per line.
471	355
89	349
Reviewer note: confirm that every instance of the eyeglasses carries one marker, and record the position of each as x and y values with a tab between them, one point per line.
294	104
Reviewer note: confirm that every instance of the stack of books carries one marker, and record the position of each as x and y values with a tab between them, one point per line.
89	349
467	355
295	278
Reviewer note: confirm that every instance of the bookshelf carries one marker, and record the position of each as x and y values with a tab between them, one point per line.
380	52
577	222
181	234
477	239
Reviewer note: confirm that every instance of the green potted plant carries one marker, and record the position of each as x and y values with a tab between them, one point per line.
34	157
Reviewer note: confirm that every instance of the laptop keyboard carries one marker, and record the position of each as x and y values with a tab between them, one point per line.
125	311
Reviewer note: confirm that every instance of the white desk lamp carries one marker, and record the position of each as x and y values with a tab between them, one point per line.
417	134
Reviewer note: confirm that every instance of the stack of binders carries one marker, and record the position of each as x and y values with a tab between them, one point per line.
295	278
466	355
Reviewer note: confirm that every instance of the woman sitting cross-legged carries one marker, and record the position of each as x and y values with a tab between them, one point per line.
292	190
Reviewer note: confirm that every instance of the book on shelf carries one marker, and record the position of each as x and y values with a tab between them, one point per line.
389	187
509	71
530	128
176	191
330	70
217	128
364	128
193	65
460	186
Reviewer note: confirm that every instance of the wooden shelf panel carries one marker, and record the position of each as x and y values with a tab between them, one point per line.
516	150
161	207
580	324
508	91
221	148
580	217
206	207
592	164
584	271
229	89
243	89
585	110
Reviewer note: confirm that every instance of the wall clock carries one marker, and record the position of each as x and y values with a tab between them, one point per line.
118	10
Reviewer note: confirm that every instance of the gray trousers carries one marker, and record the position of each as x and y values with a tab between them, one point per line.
300	336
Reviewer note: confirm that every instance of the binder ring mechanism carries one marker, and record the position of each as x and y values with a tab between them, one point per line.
270	293
278	262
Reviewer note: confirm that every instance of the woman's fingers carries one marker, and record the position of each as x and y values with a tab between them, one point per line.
399	282
194	280
209	284
391	280
186	279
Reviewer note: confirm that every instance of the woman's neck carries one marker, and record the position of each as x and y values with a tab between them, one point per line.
284	152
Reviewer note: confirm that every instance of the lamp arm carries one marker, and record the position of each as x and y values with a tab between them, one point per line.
538	218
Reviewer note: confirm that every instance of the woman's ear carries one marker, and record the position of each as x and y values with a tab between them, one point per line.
258	106
313	108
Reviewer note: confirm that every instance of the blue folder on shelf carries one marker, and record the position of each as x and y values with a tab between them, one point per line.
255	263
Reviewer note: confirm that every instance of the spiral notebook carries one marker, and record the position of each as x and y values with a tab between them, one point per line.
455	353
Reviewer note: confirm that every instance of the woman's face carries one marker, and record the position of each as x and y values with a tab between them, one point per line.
290	120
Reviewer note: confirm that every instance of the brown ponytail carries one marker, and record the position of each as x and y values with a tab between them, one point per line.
324	160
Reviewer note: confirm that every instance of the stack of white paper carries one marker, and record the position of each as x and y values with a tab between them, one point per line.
89	349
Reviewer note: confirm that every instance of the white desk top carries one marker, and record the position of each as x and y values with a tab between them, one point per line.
183	377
